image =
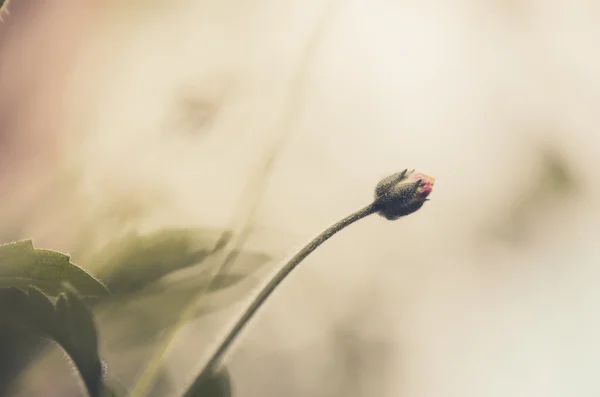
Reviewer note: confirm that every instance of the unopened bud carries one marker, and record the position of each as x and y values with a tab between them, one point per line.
402	193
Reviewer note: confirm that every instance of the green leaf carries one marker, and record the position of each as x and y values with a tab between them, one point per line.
42	311
109	392
157	307
137	261
212	385
68	322
21	266
76	333
113	388
149	314
3	4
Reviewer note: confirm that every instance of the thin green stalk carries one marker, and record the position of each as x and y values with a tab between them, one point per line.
268	289
253	194
396	196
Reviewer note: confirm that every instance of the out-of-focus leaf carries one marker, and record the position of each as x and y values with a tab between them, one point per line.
3	5
108	392
113	388
21	266
145	314
76	333
555	184
137	261
213	385
17	348
68	322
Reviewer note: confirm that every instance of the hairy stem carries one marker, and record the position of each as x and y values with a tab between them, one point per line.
268	289
253	193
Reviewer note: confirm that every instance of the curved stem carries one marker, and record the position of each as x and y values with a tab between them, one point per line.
285	270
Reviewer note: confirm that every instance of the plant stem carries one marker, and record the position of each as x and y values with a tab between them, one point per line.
268	289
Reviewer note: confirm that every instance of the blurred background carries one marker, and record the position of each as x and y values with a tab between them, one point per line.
124	121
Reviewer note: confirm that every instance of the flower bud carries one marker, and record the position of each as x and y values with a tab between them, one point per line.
402	193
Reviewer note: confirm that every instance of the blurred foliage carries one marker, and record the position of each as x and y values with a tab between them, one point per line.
67	321
217	385
151	310
36	296
553	184
22	266
151	279
137	261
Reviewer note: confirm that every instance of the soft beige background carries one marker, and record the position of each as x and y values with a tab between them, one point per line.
489	290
